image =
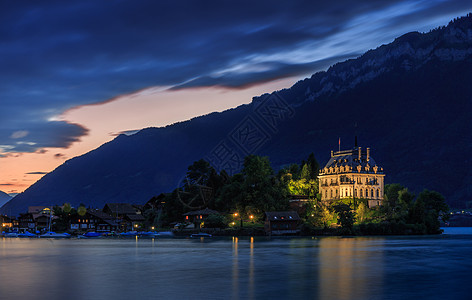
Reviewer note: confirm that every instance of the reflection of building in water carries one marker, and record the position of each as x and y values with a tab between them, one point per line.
352	173
349	267
235	275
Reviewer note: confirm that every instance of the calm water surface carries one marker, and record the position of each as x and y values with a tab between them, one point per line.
426	267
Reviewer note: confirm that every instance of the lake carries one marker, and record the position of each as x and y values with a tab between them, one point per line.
400	267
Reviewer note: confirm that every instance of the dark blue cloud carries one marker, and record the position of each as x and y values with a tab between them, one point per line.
55	55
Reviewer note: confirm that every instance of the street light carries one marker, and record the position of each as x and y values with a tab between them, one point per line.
240	217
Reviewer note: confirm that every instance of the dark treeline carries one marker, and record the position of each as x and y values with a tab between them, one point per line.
257	189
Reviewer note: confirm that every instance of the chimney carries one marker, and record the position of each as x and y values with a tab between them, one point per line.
368	154
360	154
332	153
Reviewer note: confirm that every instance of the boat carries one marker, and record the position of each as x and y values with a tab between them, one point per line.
51	234
11	234
153	234
165	234
147	234
201	235
54	235
91	235
129	234
27	234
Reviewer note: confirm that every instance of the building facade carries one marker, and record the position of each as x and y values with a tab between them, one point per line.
352	174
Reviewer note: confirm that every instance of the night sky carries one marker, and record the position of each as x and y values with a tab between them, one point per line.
76	73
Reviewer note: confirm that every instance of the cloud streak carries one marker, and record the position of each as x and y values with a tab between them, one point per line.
36	173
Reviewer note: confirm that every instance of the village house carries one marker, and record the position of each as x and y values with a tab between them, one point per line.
129	216
8	222
198	217
281	222
37	218
94	220
352	174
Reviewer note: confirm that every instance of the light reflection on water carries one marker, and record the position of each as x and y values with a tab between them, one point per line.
430	267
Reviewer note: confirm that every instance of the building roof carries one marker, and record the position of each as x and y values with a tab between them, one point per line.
354	160
99	214
37	209
282	216
133	217
121	208
205	211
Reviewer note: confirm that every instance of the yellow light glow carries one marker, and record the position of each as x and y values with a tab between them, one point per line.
251	217
235	214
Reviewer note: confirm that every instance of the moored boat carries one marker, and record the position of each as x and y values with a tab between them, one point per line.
27	234
200	235
91	235
165	234
54	235
11	234
129	234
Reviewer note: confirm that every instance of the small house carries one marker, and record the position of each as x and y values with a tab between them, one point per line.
199	216
94	220
282	222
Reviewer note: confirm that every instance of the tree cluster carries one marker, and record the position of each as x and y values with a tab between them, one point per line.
257	189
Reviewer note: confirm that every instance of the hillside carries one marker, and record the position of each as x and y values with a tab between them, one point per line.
411	101
4	198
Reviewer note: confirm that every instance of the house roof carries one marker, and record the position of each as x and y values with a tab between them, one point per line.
37	209
120	208
133	217
282	215
205	211
350	159
99	214
138	206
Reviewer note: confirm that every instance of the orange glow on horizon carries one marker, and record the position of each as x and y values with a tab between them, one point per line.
153	107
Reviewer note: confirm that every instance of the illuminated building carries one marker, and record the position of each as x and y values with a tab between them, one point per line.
352	174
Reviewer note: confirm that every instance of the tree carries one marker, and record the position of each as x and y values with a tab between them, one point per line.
67	208
397	202
346	217
82	210
313	166
215	221
261	189
319	214
427	209
361	212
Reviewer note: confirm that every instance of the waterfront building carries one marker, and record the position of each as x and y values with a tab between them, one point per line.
281	222
94	220
352	174
128	215
198	217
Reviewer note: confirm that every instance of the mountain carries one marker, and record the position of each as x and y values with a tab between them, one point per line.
411	101
4	198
